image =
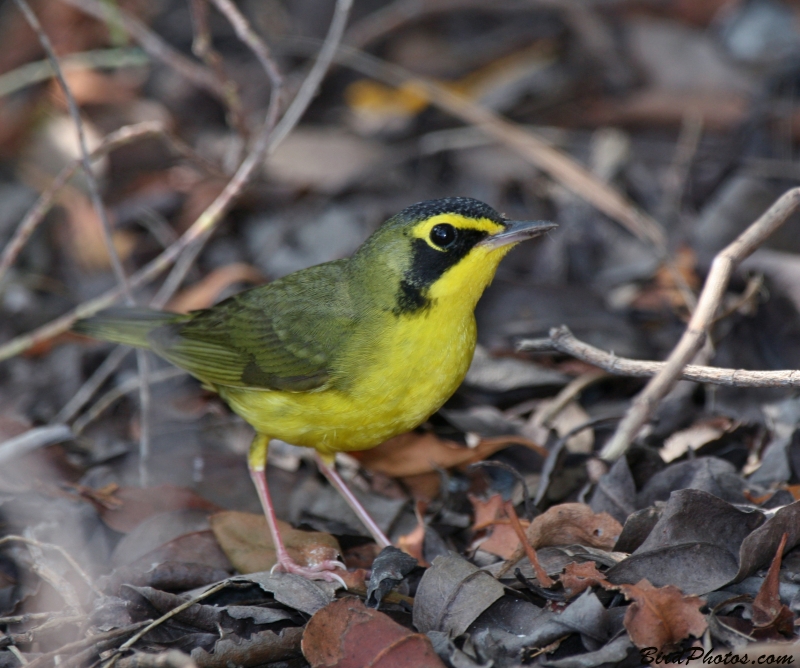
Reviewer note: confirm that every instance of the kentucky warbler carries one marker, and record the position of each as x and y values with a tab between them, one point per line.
346	354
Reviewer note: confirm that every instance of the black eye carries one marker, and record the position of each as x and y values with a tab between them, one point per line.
443	235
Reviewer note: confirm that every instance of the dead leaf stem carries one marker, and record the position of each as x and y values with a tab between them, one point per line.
541	575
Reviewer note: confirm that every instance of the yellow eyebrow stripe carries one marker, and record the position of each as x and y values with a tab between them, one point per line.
423	230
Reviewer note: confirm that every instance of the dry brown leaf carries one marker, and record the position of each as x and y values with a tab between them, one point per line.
577	577
720	110
84	235
413	454
759	499
245	539
570	524
573	523
206	291
127	507
485	512
661	617
423	487
93	87
501	538
347	634
413	542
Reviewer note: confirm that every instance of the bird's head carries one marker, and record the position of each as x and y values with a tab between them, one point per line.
441	248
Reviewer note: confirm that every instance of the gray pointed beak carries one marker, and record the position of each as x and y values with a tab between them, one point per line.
516	231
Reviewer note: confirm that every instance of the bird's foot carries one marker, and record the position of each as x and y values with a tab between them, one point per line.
324	570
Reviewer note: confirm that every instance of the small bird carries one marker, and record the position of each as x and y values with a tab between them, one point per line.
343	355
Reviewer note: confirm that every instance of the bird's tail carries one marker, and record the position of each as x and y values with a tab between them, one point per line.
129	326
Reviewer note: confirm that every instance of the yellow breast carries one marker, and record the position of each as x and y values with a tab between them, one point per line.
398	371
404	377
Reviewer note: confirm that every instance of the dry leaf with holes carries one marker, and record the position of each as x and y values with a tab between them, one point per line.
570	524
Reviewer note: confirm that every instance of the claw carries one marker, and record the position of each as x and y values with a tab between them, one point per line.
320	571
328	565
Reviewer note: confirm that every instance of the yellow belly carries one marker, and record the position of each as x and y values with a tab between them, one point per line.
398	382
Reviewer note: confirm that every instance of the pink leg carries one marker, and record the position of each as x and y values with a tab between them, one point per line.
335	479
257	460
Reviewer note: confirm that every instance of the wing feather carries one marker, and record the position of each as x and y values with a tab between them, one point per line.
282	336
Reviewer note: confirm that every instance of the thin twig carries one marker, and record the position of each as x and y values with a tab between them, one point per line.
93	383
262	53
143	364
490	463
67	557
100	642
36	214
209	219
85	158
678	172
157	622
309	87
674	186
120	391
105	225
111	142
525	143
29	617
251	38
698	328
182	266
41	70
562	340
152	44
549	410
203	49
20	656
33	439
53	621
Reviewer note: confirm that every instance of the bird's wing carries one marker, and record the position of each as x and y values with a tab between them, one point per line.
282	336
